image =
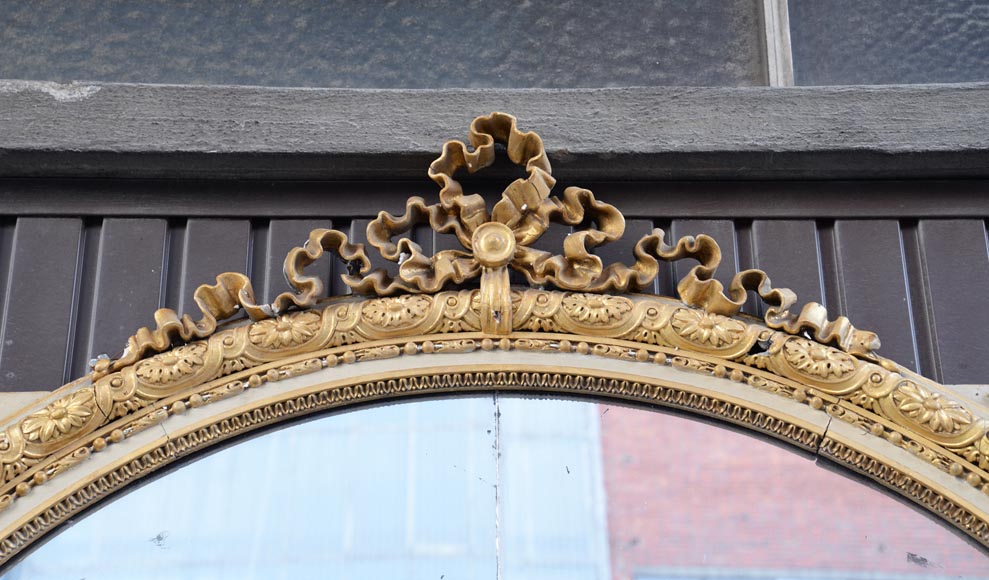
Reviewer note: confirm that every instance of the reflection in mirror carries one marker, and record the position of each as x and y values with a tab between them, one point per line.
510	488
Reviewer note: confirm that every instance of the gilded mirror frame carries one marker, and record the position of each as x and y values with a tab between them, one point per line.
580	327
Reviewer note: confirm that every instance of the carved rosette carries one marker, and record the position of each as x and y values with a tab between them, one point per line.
707	331
936	414
174	366
932	411
166	373
402	312
61	419
286	331
817	360
805	360
596	310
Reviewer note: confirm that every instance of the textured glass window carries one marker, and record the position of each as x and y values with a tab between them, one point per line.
416	44
848	42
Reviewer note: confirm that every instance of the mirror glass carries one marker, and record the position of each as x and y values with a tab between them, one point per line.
505	487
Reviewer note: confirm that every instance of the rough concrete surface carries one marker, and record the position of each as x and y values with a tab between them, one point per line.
123	130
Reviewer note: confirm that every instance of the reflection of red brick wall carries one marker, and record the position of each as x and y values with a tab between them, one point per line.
686	494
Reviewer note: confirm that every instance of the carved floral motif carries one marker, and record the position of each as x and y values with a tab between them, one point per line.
813	359
284	331
706	329
173	365
60	418
596	308
396	312
932	410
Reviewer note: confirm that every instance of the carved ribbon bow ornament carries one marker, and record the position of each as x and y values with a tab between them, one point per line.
492	244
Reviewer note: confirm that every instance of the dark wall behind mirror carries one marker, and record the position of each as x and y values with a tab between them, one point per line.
505	487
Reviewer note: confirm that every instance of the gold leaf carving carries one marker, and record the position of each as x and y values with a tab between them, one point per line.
216	303
934	411
142	423
396	312
535	344
284	331
613	351
179	363
492	243
817	360
706	329
592	319
378	353
60	418
73	459
224	391
453	346
596	308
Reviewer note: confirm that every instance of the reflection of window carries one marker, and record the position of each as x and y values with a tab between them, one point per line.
553	513
399	491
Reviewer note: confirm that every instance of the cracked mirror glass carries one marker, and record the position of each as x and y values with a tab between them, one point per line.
505	487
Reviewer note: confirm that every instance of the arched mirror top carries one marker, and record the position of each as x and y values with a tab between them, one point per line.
452	322
504	486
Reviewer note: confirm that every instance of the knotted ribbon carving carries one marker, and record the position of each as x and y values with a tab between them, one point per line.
494	242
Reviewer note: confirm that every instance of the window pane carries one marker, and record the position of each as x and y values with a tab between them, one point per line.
422	44
848	42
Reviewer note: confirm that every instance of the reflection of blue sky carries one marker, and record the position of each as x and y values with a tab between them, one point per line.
404	491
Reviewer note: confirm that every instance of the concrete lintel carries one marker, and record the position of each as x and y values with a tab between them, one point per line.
150	131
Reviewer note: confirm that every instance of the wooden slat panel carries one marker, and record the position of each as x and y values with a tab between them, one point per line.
40	300
787	250
422	234
7	227
957	280
208	248
86	281
869	282
441	242
920	299
127	289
